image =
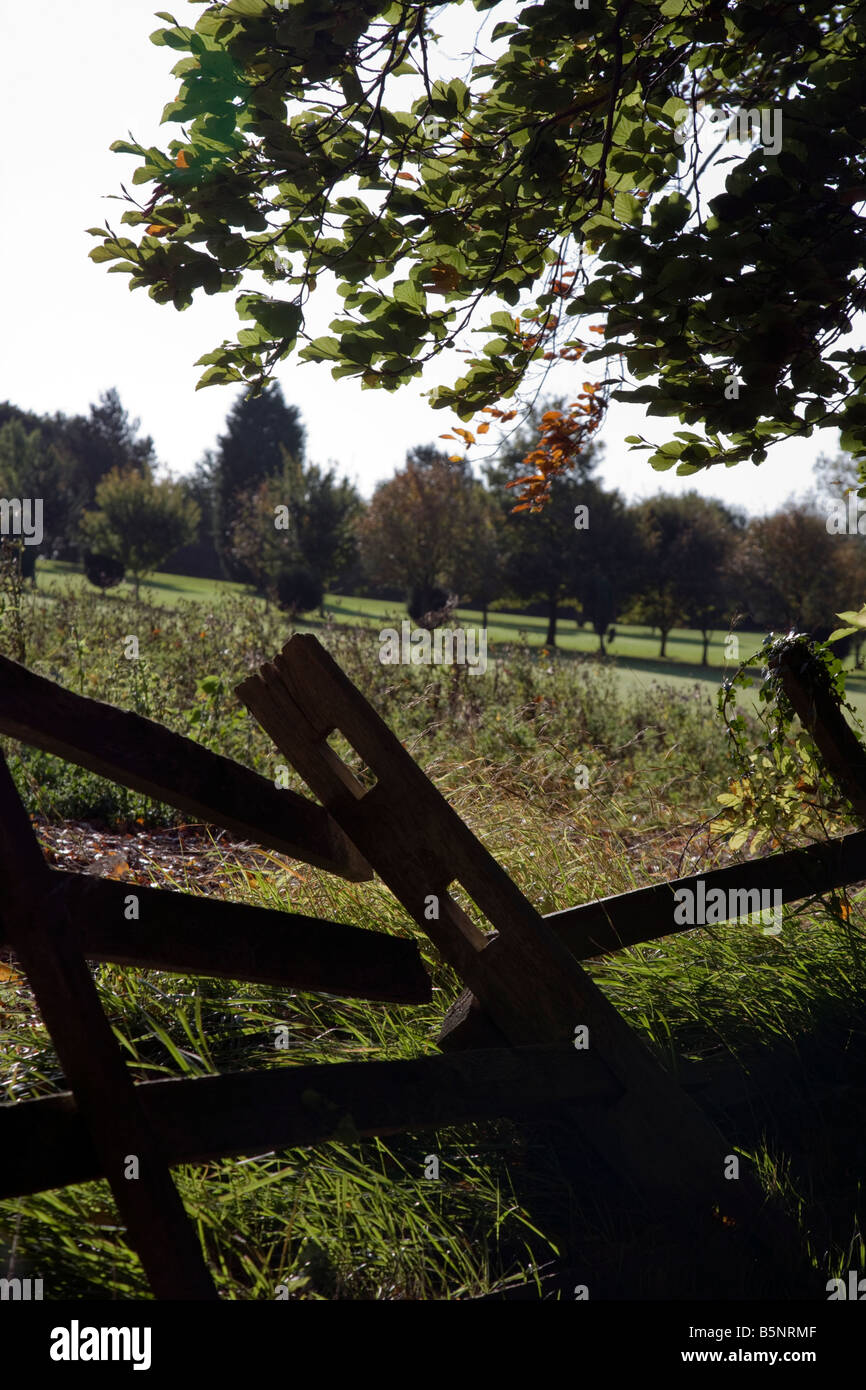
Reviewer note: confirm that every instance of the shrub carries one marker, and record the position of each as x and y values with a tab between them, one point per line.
299	589
103	571
429	606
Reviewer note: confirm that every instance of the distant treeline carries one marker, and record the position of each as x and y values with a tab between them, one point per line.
434	536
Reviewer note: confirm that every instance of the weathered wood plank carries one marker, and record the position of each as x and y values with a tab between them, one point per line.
188	934
151	759
647	914
38	928
527	981
44	1143
819	713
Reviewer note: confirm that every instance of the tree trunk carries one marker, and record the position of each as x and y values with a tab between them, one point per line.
664	632
484	618
550	639
600	636
706	636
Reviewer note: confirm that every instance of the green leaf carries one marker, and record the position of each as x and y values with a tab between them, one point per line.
322	349
459	93
628	208
279	318
406	292
352	89
218	376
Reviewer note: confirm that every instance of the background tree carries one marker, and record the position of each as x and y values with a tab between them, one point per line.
419	530
260	430
687	542
837	477
709	558
789	570
541	547
325	511
103	441
108	439
138	521
541	554
484	567
303	518
32	467
71	456
605	559
200	556
257	543
851	564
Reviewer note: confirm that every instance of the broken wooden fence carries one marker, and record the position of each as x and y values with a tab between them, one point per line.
508	1043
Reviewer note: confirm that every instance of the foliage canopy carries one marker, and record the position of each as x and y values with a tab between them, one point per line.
558	180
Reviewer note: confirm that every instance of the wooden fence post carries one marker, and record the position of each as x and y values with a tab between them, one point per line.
38	927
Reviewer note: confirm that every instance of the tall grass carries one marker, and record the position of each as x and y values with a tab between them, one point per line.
358	1221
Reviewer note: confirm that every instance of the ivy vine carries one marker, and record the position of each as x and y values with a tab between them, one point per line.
782	789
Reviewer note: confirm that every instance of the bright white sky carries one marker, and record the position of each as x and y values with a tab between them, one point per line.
78	76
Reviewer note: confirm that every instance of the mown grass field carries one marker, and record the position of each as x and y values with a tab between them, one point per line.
786	1011
633	654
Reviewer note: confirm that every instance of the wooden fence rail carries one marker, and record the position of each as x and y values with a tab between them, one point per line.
45	1143
192	935
143	755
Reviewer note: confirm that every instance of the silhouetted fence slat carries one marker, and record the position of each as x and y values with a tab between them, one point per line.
529	985
151	759
187	934
45	1144
146	1196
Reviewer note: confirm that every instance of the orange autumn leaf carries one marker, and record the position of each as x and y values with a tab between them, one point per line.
181	161
8	976
563	435
444	278
157	229
411	177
